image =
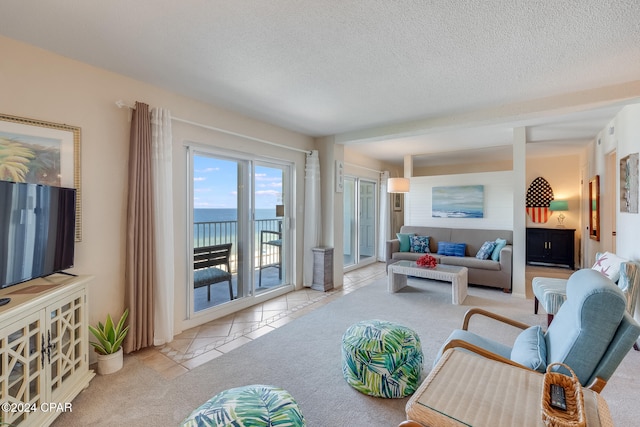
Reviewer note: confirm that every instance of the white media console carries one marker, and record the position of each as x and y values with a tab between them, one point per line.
44	344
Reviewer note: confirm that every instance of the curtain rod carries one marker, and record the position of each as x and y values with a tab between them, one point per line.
121	104
363	167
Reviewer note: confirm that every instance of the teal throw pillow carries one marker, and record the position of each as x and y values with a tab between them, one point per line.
530	349
500	243
420	244
486	250
405	241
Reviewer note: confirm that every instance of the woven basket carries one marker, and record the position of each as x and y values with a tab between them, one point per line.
574	416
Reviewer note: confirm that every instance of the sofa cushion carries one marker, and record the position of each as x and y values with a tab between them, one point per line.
609	265
451	248
471	262
486	250
412	256
420	244
530	349
405	241
500	243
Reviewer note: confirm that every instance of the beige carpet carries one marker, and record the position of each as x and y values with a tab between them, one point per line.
303	357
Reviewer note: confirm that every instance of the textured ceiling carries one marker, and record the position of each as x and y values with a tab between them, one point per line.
340	67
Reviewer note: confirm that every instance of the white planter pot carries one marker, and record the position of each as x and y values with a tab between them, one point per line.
110	363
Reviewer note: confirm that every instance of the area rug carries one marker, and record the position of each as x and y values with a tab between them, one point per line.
304	358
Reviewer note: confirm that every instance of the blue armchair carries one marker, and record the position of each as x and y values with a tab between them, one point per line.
551	292
592	332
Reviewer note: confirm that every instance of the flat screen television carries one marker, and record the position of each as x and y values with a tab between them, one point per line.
37	231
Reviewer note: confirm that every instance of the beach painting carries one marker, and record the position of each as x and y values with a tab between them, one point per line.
460	201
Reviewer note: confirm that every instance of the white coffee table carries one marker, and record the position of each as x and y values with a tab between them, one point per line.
398	272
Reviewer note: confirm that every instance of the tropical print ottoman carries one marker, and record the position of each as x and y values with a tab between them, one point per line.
250	406
382	359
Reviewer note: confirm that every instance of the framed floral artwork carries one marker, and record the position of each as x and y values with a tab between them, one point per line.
39	152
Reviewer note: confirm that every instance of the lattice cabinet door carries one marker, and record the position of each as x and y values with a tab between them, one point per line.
22	367
66	343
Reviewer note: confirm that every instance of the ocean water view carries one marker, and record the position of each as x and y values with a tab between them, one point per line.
470	213
215	215
216	226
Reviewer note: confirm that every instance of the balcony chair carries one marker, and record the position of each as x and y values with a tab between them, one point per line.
592	332
206	260
270	239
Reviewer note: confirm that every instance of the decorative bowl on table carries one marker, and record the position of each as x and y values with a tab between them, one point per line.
427	261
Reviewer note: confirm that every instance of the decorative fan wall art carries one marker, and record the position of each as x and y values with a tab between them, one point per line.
539	195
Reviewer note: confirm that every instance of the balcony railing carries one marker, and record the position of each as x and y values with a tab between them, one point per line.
218	232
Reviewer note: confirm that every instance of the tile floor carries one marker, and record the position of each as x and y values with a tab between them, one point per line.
203	343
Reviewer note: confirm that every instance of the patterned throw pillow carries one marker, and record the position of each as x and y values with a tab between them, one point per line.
420	244
486	250
609	265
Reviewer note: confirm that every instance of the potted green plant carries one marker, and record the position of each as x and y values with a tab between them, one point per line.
109	345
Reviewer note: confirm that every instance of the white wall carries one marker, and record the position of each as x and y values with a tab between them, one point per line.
622	134
498	201
627	131
41	85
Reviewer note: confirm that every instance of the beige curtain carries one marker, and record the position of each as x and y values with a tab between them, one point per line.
140	262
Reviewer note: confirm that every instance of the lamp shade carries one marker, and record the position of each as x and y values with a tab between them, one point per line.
398	185
558	205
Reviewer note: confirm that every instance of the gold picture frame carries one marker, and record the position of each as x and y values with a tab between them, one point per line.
594	208
39	152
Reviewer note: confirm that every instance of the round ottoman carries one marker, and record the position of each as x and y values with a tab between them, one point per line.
382	359
253	405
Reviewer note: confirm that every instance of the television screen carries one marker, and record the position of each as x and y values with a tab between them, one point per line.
37	231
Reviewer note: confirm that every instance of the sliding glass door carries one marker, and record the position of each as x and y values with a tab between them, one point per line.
360	207
239	246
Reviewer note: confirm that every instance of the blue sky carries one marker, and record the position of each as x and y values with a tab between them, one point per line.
215	184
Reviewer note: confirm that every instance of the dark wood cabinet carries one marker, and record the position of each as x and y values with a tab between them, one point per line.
551	246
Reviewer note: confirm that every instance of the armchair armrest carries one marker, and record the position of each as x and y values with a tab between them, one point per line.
481	352
503	319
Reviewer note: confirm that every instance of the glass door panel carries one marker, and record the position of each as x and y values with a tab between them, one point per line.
349	220
367	224
269	231
217	233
